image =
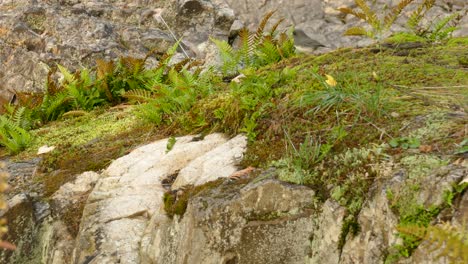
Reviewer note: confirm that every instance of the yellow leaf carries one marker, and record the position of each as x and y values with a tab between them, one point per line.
330	80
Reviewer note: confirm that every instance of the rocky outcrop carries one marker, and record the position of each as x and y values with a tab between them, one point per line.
235	220
323	22
264	222
130	193
35	35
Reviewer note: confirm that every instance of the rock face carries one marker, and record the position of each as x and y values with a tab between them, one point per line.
130	192
35	35
260	220
323	22
231	225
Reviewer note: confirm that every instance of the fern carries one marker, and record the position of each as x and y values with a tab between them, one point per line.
450	241
378	27
12	136
396	11
139	95
256	49
440	30
417	15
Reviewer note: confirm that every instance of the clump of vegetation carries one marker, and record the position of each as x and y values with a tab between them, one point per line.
378	27
257	48
436	30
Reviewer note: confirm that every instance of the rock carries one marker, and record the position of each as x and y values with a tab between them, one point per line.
325	23
231	225
73	192
326	236
129	193
378	222
21	224
217	163
35	35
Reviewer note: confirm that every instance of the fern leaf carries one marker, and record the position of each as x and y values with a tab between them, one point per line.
396	11
450	241
349	11
371	17
139	95
416	16
437	29
356	31
247	48
275	26
261	27
68	76
104	68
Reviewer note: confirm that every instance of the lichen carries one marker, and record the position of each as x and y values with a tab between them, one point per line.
421	165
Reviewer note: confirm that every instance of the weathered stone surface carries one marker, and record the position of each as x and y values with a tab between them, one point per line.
326	236
323	22
21	222
217	163
378	223
129	193
228	225
72	192
35	35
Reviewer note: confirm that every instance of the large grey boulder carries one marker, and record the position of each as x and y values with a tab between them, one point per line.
264	222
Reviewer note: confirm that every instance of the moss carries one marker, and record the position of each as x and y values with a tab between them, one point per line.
350	227
176	204
405	37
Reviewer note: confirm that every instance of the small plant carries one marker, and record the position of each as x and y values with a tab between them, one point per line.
436	30
256	49
378	27
12	136
343	97
170	144
405	143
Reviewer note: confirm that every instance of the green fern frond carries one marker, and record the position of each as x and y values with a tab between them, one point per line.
68	76
139	95
268	52
396	11
228	56
416	16
13	137
356	31
437	32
